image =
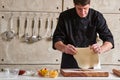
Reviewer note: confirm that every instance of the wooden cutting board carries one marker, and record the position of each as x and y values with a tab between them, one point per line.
83	73
116	72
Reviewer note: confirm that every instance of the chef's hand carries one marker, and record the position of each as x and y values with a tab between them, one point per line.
96	48
70	49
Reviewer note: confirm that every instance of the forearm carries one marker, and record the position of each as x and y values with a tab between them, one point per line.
60	46
106	47
68	49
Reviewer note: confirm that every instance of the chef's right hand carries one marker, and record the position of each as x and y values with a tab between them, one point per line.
70	49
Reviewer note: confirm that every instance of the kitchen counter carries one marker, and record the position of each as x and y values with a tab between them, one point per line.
60	77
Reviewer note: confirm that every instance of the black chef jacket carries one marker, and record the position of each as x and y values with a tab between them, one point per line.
80	32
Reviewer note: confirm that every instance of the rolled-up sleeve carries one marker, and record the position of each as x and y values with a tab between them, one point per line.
59	33
103	30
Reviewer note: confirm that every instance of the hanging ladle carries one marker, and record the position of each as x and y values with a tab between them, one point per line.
49	38
25	36
39	25
18	26
33	38
46	28
9	34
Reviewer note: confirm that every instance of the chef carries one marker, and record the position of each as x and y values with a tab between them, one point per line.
79	27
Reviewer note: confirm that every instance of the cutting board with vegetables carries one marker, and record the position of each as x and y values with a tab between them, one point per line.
83	73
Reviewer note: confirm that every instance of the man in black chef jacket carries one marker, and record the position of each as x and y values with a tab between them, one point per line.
78	27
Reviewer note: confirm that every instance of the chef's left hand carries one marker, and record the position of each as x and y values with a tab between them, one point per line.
96	48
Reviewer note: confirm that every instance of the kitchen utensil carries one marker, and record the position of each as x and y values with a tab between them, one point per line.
83	73
46	28
18	26
33	38
11	73
39	25
25	36
9	34
49	38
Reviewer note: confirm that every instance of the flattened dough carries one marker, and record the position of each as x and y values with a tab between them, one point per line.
86	58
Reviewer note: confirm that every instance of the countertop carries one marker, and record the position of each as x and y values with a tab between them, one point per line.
60	77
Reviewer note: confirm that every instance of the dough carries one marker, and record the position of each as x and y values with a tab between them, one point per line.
86	58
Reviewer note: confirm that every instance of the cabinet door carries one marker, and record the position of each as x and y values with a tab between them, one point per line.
113	56
30	5
109	6
40	52
18	52
68	4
